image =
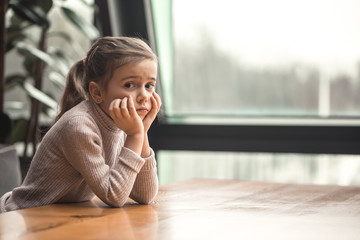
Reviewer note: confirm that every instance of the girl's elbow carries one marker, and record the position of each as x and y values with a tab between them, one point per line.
116	203
145	199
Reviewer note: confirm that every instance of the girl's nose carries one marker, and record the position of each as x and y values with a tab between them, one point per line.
142	96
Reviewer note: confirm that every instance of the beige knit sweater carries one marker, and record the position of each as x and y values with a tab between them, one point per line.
81	156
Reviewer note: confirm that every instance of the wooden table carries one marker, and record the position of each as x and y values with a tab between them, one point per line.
201	209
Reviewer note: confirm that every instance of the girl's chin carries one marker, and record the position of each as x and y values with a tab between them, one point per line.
142	116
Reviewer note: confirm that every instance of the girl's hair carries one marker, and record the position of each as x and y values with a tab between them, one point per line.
104	57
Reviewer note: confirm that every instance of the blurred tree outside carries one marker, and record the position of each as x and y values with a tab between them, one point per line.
264	59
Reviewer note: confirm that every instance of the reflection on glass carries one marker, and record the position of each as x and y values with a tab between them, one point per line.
177	166
261	57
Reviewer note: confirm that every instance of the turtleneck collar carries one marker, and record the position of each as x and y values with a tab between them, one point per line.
103	118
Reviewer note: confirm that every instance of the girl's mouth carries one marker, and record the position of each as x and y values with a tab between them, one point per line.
142	110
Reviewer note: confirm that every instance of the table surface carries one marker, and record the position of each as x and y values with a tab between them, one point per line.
201	209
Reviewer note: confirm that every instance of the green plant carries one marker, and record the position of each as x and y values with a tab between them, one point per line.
27	32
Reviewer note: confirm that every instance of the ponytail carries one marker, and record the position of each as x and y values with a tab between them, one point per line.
75	90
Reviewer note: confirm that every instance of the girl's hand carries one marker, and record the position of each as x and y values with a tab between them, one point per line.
124	114
155	108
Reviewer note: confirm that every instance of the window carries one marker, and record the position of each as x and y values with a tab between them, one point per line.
276	81
259	58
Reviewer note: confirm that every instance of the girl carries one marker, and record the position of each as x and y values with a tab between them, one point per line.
99	144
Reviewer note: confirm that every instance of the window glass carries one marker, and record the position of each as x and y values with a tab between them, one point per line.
260	57
177	166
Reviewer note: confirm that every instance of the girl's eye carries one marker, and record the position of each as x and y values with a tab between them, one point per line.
129	85
150	86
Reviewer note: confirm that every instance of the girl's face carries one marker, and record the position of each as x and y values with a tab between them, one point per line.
136	80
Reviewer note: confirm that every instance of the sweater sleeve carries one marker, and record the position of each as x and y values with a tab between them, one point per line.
146	184
83	148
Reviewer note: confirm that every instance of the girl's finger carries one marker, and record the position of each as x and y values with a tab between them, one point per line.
111	109
124	107
117	103
154	108
158	99
132	109
155	104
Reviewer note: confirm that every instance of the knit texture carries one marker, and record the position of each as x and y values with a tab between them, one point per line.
81	156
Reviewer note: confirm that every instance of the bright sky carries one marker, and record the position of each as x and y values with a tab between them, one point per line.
324	33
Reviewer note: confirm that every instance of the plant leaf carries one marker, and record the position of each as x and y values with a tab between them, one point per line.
75	46
88	3
40	96
60	34
17	22
28	48
29	64
57	79
14	80
45	5
31	12
88	29
59	55
13	35
31	50
17	79
46	109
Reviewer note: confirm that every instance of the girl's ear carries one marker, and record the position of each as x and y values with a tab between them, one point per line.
95	92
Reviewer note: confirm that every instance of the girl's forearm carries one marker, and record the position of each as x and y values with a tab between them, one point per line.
145	147
135	142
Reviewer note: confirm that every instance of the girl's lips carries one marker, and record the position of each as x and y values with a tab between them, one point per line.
141	110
